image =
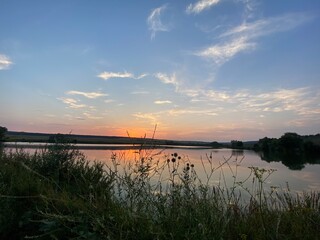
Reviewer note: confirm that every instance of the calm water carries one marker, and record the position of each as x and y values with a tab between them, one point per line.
238	165
308	178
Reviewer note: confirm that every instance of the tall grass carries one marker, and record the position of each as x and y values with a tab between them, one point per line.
57	194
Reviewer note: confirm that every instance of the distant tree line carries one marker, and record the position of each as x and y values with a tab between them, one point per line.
61	138
288	144
293	150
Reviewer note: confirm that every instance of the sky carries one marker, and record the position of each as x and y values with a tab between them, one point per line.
212	70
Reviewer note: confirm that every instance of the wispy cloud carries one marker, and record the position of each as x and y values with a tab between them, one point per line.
5	62
244	37
109	101
154	21
297	100
182	111
162	102
254	108
108	75
300	101
72	103
249	8
201	6
167	79
263	27
141	76
87	94
221	53
91	116
149	117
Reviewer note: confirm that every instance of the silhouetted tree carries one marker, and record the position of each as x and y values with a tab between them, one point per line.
311	149
267	145
236	144
291	149
3	131
291	143
215	144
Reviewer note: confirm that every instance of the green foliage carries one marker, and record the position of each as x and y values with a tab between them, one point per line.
57	194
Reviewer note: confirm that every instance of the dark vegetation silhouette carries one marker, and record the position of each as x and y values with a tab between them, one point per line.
236	144
293	150
56	193
3	131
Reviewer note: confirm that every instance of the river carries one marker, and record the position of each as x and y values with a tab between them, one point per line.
229	166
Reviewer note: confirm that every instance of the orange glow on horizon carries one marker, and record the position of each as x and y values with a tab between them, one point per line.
174	132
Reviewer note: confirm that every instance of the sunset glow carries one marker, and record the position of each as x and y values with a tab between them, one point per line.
194	70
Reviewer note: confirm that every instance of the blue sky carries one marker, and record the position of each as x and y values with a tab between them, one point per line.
203	70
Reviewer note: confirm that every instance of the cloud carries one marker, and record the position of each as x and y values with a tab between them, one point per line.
72	103
221	53
201	6
109	101
150	117
90	116
296	100
162	102
249	8
87	94
79	118
108	75
244	37
5	62
154	21
263	27
300	101
141	76
176	112
167	79
286	107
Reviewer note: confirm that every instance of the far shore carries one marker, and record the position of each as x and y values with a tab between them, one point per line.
102	146
100	142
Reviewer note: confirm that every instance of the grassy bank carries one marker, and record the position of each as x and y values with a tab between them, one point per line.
57	194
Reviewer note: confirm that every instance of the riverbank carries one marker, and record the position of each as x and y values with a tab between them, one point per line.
58	194
12	136
35	145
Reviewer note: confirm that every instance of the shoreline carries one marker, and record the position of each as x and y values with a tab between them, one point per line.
46	138
105	146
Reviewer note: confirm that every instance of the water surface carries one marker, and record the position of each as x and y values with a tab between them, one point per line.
238	165
229	166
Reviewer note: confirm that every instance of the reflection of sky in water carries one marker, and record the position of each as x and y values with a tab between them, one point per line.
299	180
